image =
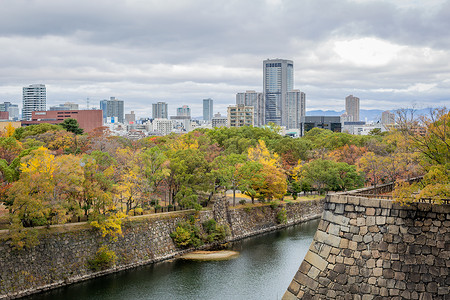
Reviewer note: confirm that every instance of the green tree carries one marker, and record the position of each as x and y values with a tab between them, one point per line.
72	125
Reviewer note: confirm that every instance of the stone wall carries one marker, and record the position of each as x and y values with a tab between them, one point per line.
376	249
64	250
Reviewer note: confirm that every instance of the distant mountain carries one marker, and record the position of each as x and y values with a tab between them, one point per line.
368	115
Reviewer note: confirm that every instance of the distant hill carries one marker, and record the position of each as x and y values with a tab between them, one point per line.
369	115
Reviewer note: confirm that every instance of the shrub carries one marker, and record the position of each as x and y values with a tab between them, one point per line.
103	259
282	216
214	231
187	235
274	204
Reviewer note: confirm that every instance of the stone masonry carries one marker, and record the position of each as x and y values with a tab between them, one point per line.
63	253
376	249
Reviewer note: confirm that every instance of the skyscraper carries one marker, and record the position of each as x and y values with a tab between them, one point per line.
207	109
159	110
112	110
352	107
34	98
184	111
278	79
295	108
12	109
252	98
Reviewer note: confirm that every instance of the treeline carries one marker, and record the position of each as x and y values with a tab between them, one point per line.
50	174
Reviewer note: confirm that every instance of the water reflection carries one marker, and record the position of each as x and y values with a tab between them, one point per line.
264	269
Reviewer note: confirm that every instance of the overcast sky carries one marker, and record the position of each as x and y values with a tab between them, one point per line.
391	54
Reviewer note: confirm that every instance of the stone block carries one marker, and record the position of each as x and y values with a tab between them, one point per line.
352	245
315	260
289	296
370	211
313	272
367	238
304	267
370	221
377	272
349	261
370	202
374	229
333	229
337	219
324	251
353	200
294	287
363	230
306	281
338	199
370	263
380	220
328	239
386	204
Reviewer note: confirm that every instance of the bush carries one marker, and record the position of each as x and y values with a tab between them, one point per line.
104	259
187	235
214	231
282	216
242	202
274	204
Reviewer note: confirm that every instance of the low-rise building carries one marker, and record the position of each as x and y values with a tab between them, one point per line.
87	119
332	123
240	115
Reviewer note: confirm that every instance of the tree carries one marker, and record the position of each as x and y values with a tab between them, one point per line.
226	172
47	189
72	125
372	165
326	175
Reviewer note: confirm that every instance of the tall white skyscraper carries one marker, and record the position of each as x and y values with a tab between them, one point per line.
295	108
252	98
34	99
207	109
278	79
352	107
159	110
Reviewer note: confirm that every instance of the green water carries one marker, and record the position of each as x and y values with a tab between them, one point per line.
263	270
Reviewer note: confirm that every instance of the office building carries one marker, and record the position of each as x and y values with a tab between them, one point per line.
387	118
184	111
207	109
12	109
240	115
4	116
87	119
252	98
130	118
159	110
278	79
34	99
295	108
113	111
162	126
219	121
352	107
332	123
65	106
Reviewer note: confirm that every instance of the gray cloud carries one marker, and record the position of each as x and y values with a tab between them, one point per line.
184	51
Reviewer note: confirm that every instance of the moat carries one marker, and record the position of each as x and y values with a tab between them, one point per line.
263	270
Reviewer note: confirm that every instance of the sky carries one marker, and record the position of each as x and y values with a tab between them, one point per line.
390	54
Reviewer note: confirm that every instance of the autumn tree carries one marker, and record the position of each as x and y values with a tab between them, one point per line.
46	190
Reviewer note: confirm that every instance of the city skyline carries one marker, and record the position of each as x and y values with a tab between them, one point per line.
388	53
